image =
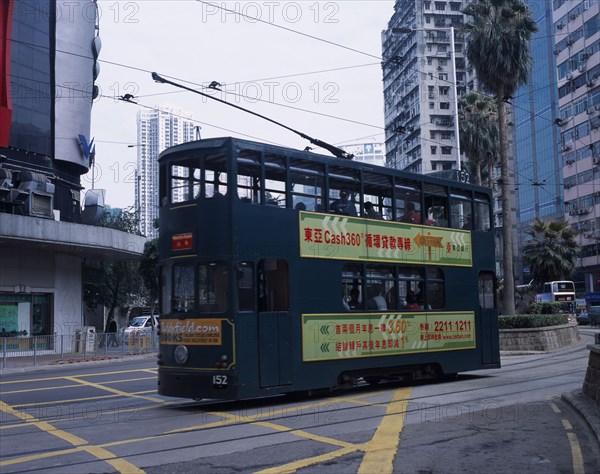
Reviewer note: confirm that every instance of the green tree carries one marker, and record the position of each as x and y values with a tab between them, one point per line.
551	251
479	133
113	284
499	32
149	271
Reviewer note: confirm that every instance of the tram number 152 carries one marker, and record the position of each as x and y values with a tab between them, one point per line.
220	381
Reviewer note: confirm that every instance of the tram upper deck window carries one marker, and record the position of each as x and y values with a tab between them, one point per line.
377	190
483	212
307	184
185	183
212	287
184	278
344	190
408	202
461	215
436	205
275	180
215	183
249	181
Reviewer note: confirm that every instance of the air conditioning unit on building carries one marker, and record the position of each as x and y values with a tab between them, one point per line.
566	146
596	160
40	202
568	185
570	161
560	26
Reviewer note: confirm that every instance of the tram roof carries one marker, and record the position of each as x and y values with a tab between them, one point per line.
241	144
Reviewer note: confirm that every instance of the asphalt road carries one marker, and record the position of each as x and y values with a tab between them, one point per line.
107	417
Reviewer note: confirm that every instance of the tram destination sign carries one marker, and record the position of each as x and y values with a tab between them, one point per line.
343	336
355	238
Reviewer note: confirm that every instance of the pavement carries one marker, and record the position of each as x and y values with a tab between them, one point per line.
581	403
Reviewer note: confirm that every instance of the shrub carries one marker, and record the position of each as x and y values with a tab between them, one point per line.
525	321
545	307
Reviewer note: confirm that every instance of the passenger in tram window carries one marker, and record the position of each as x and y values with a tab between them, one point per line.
411	215
370	211
354	301
344	205
300	206
411	300
377	302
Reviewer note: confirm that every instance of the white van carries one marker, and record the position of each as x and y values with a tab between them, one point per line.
141	324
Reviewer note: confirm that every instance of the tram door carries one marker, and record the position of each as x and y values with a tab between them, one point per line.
274	328
488	318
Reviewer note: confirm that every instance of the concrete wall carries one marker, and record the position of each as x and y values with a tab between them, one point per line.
591	383
546	339
68	296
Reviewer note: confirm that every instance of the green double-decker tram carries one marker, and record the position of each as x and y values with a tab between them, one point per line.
283	270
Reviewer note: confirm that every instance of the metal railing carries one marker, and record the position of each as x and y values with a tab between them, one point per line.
60	349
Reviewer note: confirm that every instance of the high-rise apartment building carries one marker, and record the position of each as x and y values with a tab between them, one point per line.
421	84
577	51
157	129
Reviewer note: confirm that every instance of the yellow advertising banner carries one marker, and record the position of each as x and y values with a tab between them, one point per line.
344	336
355	238
192	332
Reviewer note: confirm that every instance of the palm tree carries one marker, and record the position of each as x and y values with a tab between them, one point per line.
479	132
499	32
552	251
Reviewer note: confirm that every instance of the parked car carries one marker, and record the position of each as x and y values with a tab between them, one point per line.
594	315
140	325
583	318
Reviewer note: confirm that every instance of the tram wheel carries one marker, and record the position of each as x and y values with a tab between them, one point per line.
372	380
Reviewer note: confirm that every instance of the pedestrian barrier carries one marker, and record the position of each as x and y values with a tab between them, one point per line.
85	344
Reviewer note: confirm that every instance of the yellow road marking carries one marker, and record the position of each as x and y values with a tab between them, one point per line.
114	390
98	374
307	435
302	463
119	464
383	446
567	425
59	387
84	399
86	416
578	465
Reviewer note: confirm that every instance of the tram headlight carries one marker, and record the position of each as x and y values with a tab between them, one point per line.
181	354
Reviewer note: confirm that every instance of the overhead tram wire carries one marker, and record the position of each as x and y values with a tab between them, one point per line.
260	20
283	105
315	141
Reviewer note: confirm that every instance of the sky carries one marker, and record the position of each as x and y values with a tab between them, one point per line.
314	66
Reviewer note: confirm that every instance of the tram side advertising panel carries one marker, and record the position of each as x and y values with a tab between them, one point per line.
344	335
354	238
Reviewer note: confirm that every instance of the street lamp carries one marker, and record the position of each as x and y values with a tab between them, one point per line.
455	85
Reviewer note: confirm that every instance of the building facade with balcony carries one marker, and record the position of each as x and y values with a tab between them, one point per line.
419	90
576	28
